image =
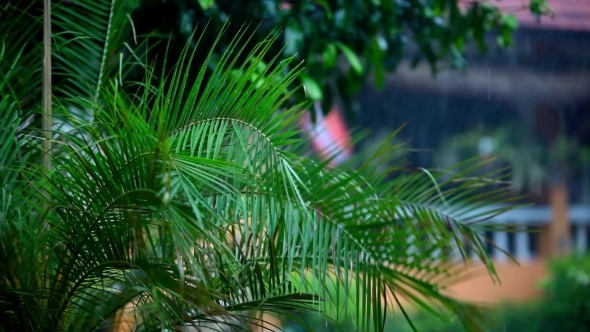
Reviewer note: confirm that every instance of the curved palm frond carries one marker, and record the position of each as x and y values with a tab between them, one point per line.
187	202
88	35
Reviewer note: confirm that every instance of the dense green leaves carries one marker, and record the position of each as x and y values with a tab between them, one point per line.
370	37
18	45
186	199
88	37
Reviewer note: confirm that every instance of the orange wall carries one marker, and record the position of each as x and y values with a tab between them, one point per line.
518	283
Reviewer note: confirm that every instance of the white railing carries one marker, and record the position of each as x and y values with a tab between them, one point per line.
519	244
527	219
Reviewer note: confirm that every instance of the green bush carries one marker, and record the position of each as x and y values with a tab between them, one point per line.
565	308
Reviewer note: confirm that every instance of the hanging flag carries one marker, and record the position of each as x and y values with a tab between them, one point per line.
329	135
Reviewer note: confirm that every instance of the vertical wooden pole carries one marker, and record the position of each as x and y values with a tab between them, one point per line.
47	111
559	229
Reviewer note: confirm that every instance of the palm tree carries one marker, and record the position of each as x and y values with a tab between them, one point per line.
179	202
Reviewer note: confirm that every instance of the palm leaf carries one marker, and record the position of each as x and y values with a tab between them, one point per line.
188	203
20	55
21	240
89	37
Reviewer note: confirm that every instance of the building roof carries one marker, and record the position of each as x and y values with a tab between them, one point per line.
572	15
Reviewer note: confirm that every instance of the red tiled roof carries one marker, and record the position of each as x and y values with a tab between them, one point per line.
571	15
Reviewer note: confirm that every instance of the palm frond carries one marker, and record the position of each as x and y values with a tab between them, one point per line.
89	37
187	205
21	238
21	54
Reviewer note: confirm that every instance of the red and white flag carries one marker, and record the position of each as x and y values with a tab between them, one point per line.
329	135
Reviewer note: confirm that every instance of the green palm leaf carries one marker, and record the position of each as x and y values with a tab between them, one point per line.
189	201
21	240
89	44
20	57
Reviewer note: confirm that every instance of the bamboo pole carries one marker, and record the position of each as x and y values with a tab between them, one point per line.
47	111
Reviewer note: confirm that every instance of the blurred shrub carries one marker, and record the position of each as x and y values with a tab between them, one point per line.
565	308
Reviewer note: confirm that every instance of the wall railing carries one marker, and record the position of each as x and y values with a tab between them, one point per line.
524	244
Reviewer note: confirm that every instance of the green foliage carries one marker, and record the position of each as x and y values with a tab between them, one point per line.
565	306
18	83
92	43
185	195
370	37
567	303
511	145
531	158
88	35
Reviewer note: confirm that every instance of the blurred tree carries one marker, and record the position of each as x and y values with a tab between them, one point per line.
536	166
534	162
372	36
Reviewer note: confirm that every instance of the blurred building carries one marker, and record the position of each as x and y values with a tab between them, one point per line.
541	86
